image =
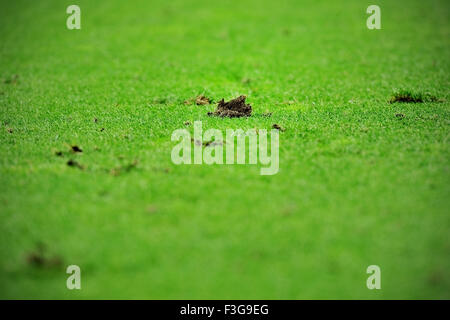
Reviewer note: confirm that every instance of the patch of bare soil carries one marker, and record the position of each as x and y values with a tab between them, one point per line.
235	108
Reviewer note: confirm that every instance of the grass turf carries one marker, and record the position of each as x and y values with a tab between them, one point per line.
357	185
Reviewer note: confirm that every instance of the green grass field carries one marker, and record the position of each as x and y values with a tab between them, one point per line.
362	181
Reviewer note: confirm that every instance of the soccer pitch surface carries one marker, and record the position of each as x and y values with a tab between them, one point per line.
362	180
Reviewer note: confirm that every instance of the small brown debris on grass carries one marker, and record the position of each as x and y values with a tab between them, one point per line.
95	120
39	258
73	163
200	100
400	115
267	114
290	102
187	123
35	259
75	149
12	80
286	31
152	209
278	127
102	129
212	143
58	153
235	108
10	130
123	169
196	142
436	277
404	96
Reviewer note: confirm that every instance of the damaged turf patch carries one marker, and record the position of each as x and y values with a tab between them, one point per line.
200	100
278	127
235	108
405	96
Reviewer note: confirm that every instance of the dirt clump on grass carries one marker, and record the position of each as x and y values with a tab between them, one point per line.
202	100
75	164
75	149
235	108
152	209
210	143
